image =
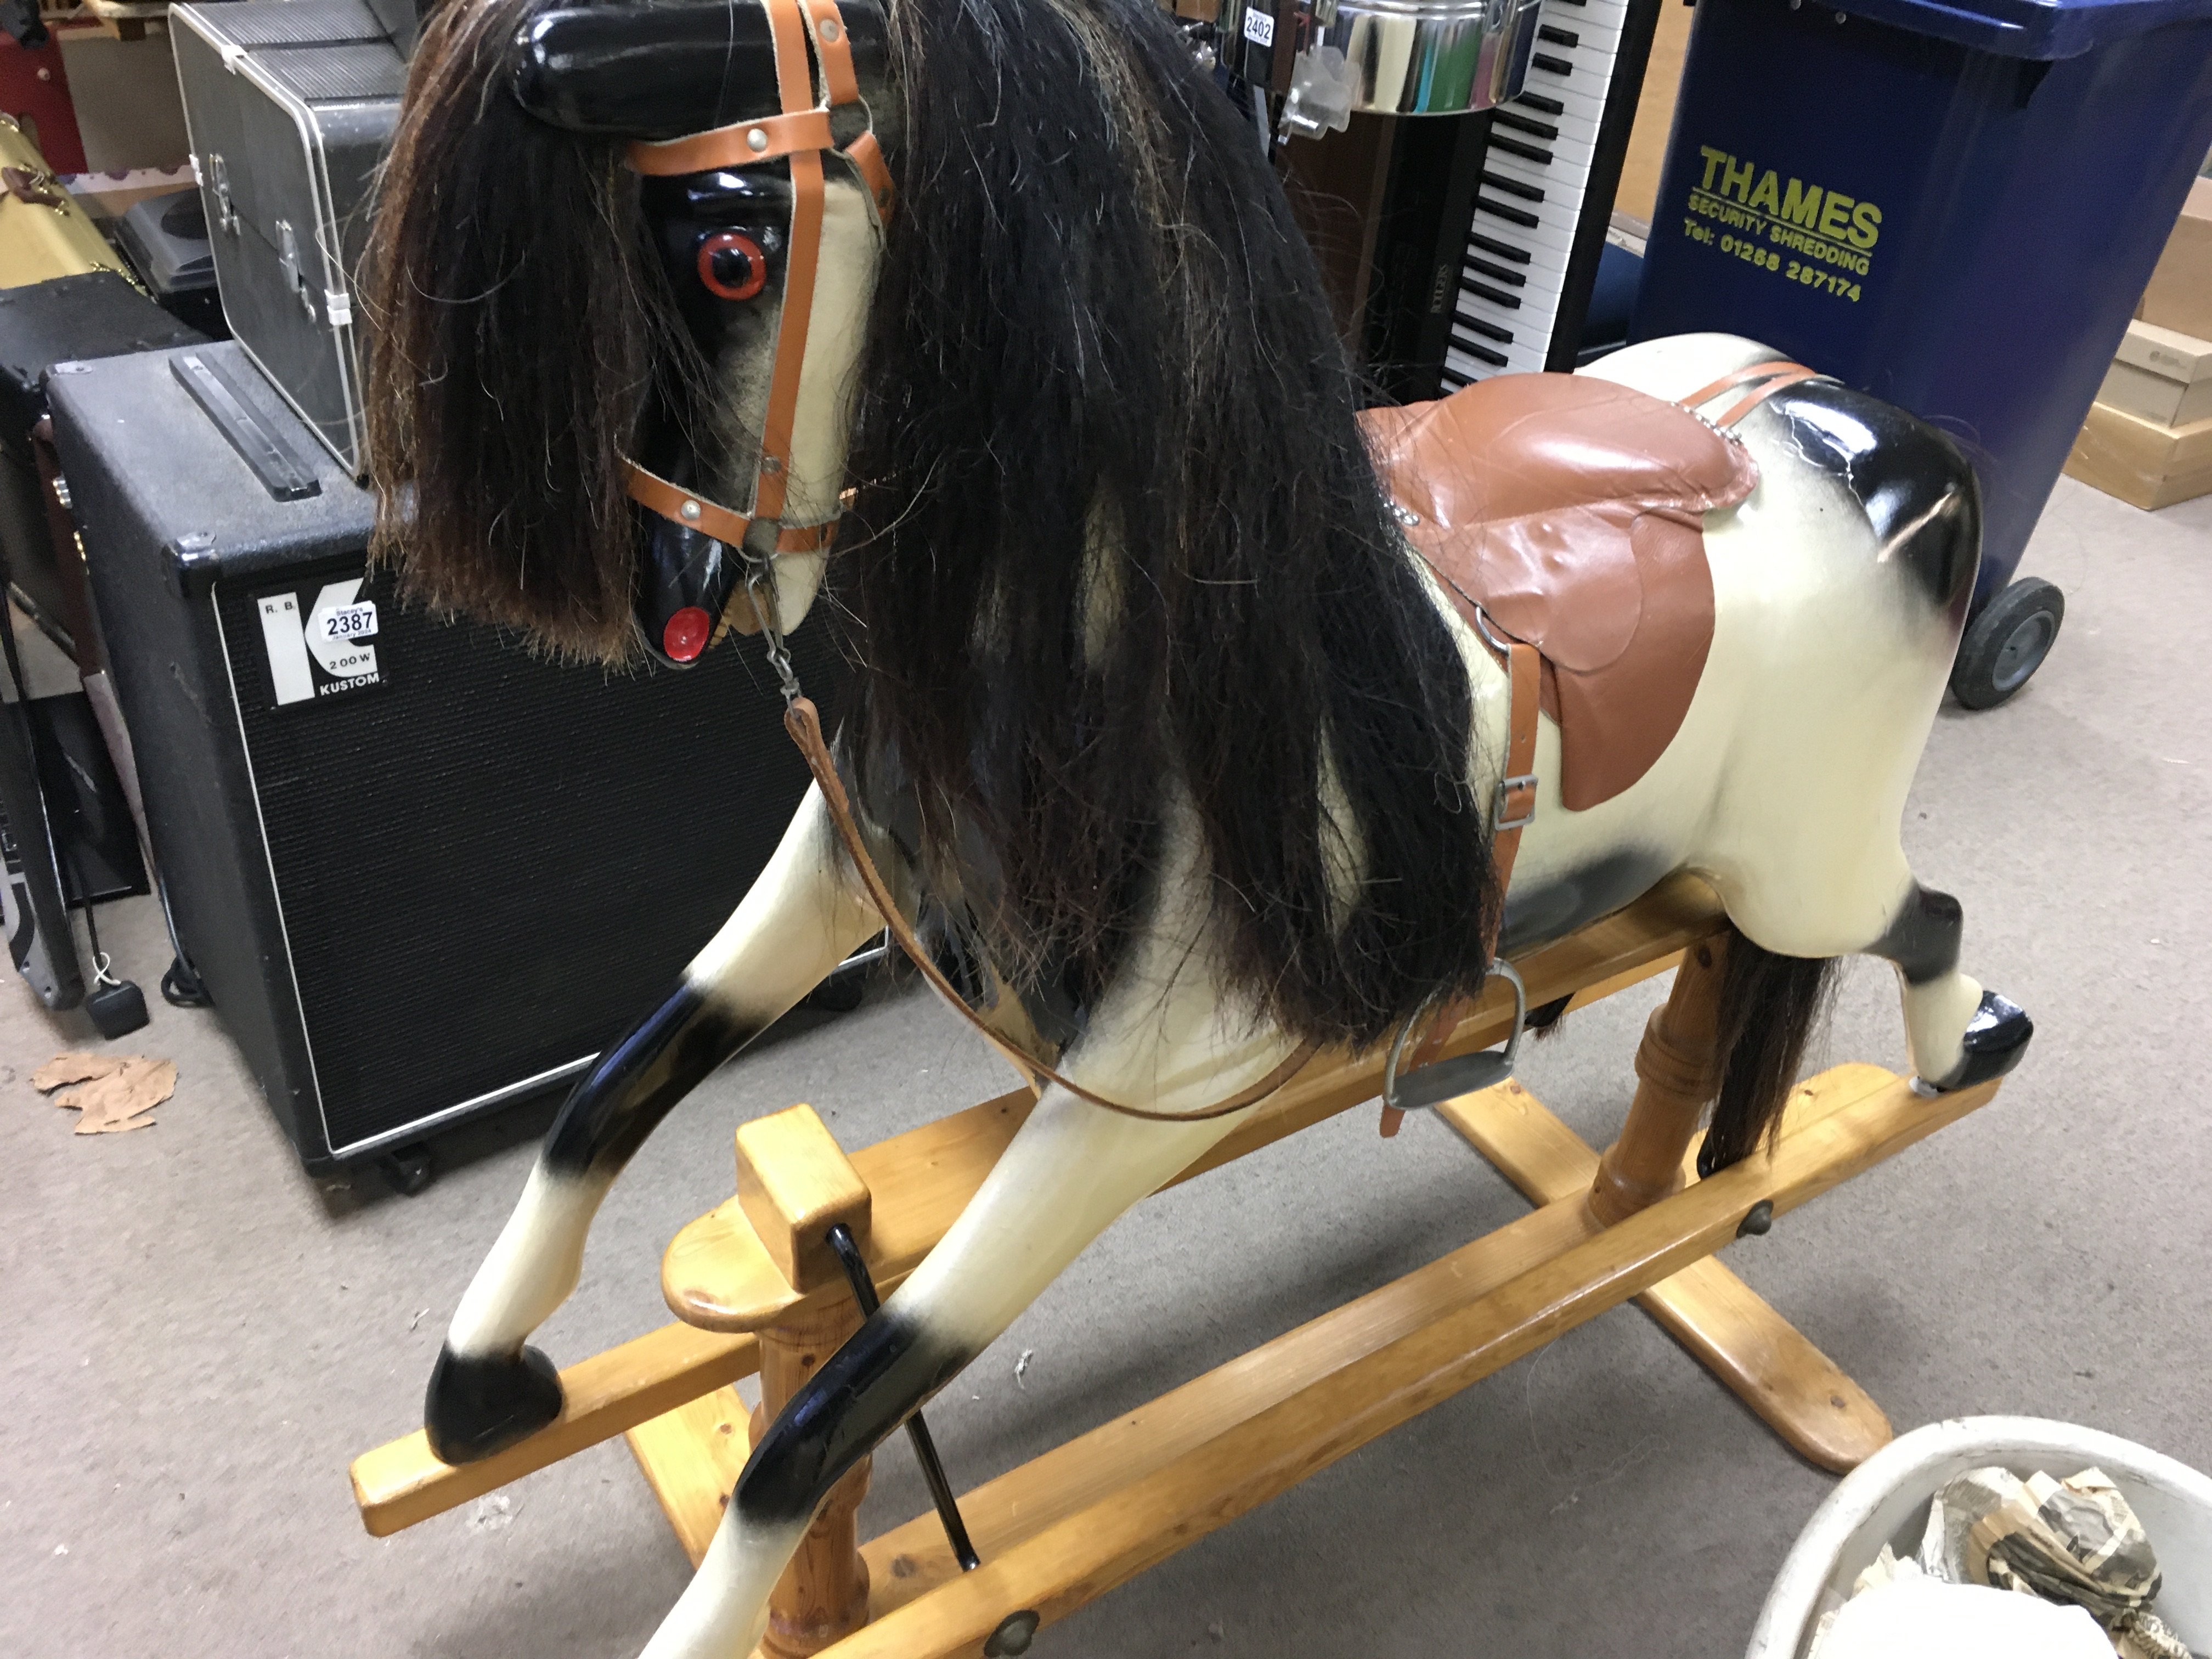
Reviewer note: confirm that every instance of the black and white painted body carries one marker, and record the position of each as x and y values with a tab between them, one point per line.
1840	588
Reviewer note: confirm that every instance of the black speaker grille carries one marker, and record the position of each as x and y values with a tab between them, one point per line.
489	864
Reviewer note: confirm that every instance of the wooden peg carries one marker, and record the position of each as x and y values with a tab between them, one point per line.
794	1184
1677	1070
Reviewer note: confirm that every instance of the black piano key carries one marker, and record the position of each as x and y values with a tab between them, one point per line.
1512	216
1488	330
1537	101
1481	355
1510	302
1506	118
1558	37
1525	152
1503	250
1499	274
1512	187
1551	65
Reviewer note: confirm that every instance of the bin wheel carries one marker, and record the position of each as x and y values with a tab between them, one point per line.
2007	643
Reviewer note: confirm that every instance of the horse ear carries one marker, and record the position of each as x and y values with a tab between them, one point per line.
665	69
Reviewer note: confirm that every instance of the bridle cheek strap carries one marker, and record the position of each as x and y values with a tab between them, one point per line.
799	136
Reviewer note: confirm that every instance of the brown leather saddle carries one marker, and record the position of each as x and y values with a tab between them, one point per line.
1571	511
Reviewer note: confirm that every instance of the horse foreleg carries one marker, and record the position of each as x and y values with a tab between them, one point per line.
1068	1174
798	922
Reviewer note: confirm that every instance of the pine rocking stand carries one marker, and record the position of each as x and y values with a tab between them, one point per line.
757	1289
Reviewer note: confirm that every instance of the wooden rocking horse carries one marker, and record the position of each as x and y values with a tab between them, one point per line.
1212	747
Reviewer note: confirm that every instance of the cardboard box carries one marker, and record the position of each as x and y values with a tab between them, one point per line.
2180	291
2161	374
2141	462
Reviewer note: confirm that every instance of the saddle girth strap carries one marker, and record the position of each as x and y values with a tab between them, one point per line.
804	723
1770	377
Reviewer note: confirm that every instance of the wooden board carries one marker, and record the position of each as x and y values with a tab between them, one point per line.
401	1483
692	1457
1798	1391
1088	1515
1637	192
717	1275
2145	465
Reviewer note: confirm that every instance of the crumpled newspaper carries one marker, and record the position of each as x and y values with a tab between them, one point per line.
2075	1542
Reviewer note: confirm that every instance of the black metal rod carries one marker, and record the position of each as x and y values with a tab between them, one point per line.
925	1448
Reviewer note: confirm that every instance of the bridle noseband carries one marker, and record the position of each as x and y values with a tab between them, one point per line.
799	134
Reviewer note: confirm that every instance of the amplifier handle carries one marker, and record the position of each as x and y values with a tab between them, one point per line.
283	473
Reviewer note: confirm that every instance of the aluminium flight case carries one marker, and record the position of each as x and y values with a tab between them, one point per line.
291	105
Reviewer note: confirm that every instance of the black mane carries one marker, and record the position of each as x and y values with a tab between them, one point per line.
1118	541
1104	373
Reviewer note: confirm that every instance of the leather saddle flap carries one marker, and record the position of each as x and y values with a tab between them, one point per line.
1571	510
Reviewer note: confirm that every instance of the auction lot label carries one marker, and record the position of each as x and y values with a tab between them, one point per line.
1804	233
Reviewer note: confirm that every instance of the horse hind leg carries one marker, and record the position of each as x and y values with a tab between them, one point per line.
1959	1033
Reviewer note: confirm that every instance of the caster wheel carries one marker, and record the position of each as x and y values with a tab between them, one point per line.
408	1170
2007	643
839	994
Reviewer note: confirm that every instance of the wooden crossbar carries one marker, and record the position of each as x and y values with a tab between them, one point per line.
1090	1514
724	1284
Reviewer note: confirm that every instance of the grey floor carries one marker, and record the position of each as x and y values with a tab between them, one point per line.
197	1339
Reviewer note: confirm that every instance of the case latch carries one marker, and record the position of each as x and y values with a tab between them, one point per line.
287	261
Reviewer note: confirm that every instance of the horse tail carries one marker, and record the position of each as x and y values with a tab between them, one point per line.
1769	1005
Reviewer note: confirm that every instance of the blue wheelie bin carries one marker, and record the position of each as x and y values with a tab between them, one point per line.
1954	204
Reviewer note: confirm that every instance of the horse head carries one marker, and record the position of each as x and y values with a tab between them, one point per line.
622	274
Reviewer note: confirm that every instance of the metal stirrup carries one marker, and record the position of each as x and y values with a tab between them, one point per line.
1463	1074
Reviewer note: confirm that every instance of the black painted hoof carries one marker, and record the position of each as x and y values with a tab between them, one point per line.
477	1407
1996	1038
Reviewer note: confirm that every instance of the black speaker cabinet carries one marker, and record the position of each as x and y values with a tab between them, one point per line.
423	871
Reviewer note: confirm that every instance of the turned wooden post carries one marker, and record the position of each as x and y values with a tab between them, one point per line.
1677	1071
794	1183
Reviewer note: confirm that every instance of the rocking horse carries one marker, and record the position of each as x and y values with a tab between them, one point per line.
1199	726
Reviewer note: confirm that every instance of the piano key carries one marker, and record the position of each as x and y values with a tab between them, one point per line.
1482	271
1527	324
1559	188
1534	154
1513	183
1511	214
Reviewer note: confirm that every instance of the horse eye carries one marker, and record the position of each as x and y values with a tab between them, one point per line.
731	265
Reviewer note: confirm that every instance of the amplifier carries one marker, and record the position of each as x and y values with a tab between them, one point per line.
422	871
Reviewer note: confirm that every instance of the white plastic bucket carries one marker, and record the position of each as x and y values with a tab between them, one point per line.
1885	1501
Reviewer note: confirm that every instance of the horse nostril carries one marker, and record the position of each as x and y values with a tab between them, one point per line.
685	634
731	265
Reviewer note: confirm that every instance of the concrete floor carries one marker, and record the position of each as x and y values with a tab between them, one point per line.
197	1339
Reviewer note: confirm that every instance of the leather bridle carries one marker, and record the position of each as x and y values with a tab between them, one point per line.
800	135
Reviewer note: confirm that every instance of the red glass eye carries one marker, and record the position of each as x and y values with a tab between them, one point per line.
731	265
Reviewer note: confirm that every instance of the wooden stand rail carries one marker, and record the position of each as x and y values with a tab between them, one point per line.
1060	1531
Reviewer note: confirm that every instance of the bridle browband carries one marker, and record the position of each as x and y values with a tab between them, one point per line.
800	135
